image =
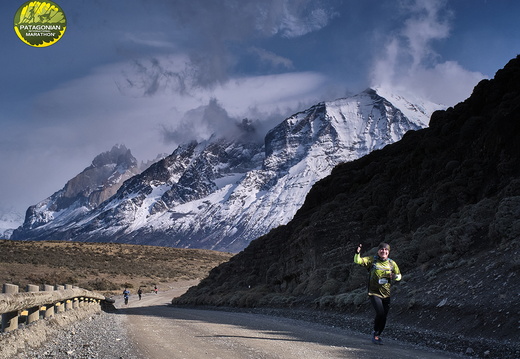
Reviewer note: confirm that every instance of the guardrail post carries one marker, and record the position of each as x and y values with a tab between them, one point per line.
60	306
49	310
10	320
69	303
34	312
17	308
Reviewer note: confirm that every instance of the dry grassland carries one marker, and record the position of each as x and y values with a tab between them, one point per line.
103	267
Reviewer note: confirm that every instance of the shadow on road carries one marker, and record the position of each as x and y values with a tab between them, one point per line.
344	343
256	338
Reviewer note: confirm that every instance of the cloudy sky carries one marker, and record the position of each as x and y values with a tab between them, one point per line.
152	74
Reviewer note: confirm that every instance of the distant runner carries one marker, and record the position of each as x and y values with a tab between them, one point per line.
381	271
126	295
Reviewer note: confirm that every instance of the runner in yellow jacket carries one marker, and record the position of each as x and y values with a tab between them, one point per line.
382	270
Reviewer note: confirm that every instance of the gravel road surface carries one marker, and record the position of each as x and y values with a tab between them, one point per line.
150	329
159	331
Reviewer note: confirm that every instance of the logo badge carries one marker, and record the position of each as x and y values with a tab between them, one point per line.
40	23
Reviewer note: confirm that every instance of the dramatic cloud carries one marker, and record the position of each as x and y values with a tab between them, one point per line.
150	75
410	63
203	122
272	59
213	29
265	100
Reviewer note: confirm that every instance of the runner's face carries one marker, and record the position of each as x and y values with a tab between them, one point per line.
383	253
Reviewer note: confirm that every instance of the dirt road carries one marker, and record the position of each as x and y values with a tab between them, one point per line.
166	332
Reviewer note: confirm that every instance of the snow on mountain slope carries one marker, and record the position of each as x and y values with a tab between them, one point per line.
410	105
222	193
9	220
84	192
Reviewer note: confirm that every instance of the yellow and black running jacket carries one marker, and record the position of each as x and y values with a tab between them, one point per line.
380	274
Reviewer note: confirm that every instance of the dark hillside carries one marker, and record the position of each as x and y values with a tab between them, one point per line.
447	198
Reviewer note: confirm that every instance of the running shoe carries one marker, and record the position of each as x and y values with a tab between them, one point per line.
377	340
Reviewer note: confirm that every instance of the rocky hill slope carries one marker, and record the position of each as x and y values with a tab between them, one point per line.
84	192
224	192
447	199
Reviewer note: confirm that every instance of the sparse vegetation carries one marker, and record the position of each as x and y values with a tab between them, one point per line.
103	267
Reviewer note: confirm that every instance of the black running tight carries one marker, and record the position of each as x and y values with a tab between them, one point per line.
381	306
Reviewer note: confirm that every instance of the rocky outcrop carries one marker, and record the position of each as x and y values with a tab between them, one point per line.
94	185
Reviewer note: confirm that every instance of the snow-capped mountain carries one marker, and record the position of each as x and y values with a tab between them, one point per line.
223	193
85	192
9	220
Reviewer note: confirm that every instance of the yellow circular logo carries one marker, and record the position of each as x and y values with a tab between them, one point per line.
40	23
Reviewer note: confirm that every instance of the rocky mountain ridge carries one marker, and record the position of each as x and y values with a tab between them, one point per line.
84	192
222	193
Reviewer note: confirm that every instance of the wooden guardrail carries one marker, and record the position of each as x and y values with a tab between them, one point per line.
32	305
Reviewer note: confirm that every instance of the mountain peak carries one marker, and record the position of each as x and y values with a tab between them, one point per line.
223	192
85	191
118	155
410	104
9	220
